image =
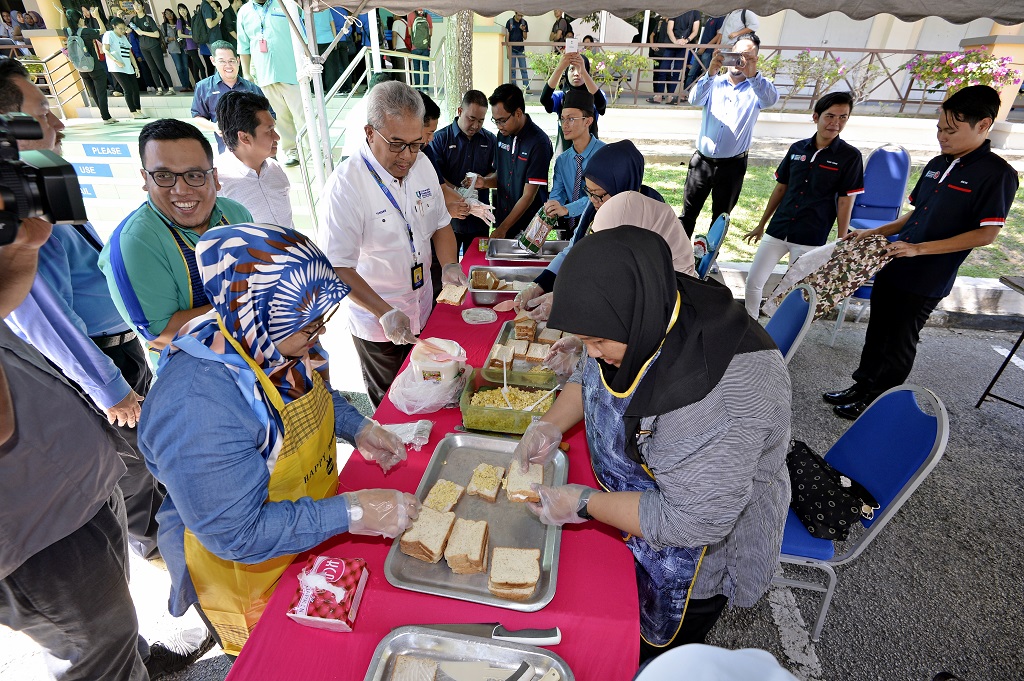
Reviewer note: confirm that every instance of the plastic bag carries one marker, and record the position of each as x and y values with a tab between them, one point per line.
412	395
414	434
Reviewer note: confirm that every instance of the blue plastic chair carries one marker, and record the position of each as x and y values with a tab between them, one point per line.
890	450
789	324
716	237
885	185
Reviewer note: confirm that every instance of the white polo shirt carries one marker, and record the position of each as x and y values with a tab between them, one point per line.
267	195
365	231
734	22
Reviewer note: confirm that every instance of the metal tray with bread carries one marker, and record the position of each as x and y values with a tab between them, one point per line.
509	249
510	524
438	650
521	372
515	279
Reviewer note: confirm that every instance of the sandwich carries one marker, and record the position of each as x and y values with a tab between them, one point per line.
537	352
514	573
519	348
452	294
466	552
444	495
486	482
409	668
426	538
548	336
501	355
525	328
519	483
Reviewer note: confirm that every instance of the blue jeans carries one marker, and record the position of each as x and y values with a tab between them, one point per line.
180	60
517	62
668	64
421	66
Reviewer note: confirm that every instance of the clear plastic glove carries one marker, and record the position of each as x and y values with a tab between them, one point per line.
381	512
558	505
397	327
539	444
376	443
532	291
452	274
564	355
539	308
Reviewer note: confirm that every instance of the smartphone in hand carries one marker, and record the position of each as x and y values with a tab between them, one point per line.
572	45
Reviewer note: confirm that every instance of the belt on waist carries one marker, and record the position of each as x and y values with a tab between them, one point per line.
115	339
715	161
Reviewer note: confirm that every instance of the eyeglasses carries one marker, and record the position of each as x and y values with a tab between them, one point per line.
165	178
321	324
399	147
594	195
224	62
570	120
501	121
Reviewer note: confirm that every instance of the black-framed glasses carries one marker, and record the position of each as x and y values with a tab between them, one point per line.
399	147
594	195
165	178
570	120
321	324
501	121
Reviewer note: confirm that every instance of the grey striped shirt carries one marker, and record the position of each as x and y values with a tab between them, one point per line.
720	466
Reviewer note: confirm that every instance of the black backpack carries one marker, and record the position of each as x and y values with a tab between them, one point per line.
200	31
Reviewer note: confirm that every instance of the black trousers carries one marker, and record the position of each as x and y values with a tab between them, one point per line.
142	493
701	616
195	65
96	84
130	87
890	343
380	362
722	179
155	58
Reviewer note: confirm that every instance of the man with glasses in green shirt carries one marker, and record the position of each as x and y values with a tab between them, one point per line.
149	261
268	58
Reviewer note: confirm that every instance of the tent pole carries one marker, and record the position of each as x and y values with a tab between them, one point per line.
303	56
604	26
374	43
647	25
317	113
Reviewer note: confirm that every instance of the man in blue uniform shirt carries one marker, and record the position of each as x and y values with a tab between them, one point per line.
209	90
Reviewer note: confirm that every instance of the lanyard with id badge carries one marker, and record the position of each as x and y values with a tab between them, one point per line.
261	41
417	266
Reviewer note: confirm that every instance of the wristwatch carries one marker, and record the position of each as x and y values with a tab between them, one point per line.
581	508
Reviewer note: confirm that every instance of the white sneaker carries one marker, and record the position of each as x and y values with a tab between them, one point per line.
110	121
169	92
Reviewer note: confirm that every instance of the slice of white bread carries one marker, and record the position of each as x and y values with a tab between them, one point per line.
466	552
444	495
501	355
548	336
537	352
486	481
484	279
452	294
518	482
514	573
427	536
519	348
409	668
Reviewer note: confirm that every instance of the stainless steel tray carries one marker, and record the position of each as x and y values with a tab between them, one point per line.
443	646
520	373
483	296
509	524
509	249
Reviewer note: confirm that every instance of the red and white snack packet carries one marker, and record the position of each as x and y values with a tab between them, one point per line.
329	593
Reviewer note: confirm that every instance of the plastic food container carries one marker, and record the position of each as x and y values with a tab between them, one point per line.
430	369
495	419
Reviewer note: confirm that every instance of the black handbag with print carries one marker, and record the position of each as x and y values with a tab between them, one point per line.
827	502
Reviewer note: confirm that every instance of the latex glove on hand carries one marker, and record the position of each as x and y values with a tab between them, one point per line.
539	309
532	291
564	355
397	327
378	444
381	512
452	274
539	444
558	505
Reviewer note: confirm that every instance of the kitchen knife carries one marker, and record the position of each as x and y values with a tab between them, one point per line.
524	673
533	637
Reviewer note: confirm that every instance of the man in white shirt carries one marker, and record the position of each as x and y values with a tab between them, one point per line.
384	212
737	24
247	172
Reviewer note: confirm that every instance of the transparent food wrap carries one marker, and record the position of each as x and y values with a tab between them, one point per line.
414	434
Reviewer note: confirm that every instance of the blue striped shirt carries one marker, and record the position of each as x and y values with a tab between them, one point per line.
730	112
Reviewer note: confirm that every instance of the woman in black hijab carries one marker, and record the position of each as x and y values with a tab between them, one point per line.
686	405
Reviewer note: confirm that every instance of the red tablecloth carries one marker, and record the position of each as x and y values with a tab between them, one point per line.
595	602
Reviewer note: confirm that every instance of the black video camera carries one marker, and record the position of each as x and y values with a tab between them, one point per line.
35	184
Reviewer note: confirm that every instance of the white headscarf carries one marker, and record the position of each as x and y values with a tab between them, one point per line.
633	208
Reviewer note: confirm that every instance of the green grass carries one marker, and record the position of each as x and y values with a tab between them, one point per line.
1005	256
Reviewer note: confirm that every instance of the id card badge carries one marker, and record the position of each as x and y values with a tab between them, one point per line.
417	276
261	44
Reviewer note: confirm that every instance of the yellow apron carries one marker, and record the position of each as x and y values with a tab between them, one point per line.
233	595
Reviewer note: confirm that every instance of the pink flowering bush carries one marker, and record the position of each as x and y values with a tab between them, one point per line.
953	71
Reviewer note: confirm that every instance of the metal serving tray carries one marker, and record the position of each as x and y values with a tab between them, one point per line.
483	296
509	524
520	371
509	249
443	646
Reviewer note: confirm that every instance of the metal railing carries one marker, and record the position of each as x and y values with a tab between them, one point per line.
60	78
892	87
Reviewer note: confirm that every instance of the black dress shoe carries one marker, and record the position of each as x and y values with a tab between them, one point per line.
851	411
851	394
